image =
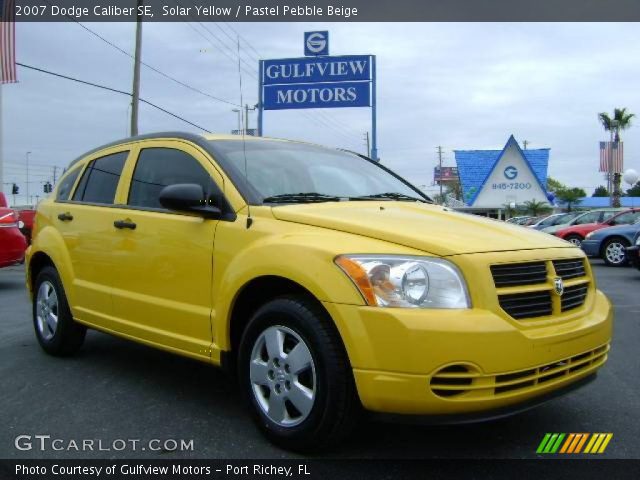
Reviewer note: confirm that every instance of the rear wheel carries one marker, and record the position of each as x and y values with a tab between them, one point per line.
296	377
575	239
56	331
614	253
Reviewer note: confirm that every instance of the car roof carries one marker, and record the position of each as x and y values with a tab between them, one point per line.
200	140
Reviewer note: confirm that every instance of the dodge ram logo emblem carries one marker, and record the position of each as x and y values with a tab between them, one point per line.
558	286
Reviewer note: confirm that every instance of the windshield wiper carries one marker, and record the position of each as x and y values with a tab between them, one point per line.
307	197
390	196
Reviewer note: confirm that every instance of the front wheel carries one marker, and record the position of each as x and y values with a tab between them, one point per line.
615	254
296	377
56	330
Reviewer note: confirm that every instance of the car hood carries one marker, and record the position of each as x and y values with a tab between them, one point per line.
429	228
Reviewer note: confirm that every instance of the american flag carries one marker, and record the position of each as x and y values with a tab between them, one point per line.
7	42
611	154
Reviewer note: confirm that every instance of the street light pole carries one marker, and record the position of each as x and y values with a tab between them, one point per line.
239	112
28	198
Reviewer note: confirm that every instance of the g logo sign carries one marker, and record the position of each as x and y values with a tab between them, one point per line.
316	43
511	172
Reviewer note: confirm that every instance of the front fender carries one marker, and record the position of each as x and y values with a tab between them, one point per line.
300	253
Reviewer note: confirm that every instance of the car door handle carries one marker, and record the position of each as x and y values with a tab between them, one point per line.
65	217
124	224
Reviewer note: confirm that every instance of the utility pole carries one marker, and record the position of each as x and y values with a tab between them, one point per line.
239	112
55	174
28	198
135	96
440	171
525	143
366	138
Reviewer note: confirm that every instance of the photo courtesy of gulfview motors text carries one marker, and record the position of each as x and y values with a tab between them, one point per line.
320	240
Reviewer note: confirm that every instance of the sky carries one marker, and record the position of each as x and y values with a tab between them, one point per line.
455	85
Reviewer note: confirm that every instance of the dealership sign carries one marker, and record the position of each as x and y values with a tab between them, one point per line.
318	81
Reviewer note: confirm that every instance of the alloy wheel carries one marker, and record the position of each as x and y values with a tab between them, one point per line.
615	253
47	310
283	376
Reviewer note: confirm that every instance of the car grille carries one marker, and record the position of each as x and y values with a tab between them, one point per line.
527	290
568	269
574	297
527	305
462	380
519	274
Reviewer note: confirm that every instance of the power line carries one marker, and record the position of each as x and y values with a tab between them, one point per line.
48	72
159	72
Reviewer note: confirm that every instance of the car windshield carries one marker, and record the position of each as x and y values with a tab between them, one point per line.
290	172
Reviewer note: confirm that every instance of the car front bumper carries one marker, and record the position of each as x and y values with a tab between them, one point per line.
591	248
463	362
633	255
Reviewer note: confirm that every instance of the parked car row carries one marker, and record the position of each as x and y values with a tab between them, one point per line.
610	233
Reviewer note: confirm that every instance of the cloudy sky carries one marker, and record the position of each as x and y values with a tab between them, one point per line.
461	86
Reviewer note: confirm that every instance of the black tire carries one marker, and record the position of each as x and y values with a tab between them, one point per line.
618	257
336	405
69	335
575	239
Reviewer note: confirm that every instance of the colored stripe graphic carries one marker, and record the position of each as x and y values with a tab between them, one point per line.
543	443
574	443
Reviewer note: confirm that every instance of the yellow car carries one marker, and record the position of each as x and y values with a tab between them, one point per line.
329	284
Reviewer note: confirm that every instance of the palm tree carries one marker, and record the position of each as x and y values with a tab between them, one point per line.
535	208
621	120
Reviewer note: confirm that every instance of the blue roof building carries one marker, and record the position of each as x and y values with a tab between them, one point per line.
601	202
491	179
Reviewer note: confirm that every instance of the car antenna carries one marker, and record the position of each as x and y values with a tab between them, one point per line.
242	132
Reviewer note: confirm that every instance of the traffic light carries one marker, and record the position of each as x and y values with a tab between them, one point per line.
15	190
47	187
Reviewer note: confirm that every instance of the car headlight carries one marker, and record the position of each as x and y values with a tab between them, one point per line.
589	235
409	282
638	240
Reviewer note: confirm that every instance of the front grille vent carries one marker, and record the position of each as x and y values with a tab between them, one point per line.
518	274
574	297
567	269
527	305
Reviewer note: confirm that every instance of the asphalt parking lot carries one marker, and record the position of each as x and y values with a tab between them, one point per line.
116	389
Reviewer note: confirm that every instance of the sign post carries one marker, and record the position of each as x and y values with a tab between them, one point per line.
318	81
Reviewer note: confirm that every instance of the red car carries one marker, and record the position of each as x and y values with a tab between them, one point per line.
577	233
12	242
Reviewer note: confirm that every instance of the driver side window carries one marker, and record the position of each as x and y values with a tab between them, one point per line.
158	167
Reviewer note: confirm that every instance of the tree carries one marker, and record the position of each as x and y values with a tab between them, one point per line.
554	185
621	120
600	191
570	196
634	191
534	208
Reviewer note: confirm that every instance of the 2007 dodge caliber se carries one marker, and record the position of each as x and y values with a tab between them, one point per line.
328	283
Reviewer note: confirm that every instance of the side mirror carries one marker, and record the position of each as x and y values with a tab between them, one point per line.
188	197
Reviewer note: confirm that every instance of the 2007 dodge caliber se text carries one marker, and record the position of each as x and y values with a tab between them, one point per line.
327	282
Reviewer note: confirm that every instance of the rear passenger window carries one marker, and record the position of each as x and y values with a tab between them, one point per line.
66	184
100	179
158	167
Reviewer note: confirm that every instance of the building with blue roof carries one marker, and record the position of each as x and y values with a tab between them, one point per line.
492	179
601	202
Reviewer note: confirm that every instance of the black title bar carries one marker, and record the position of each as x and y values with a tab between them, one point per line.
328	10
